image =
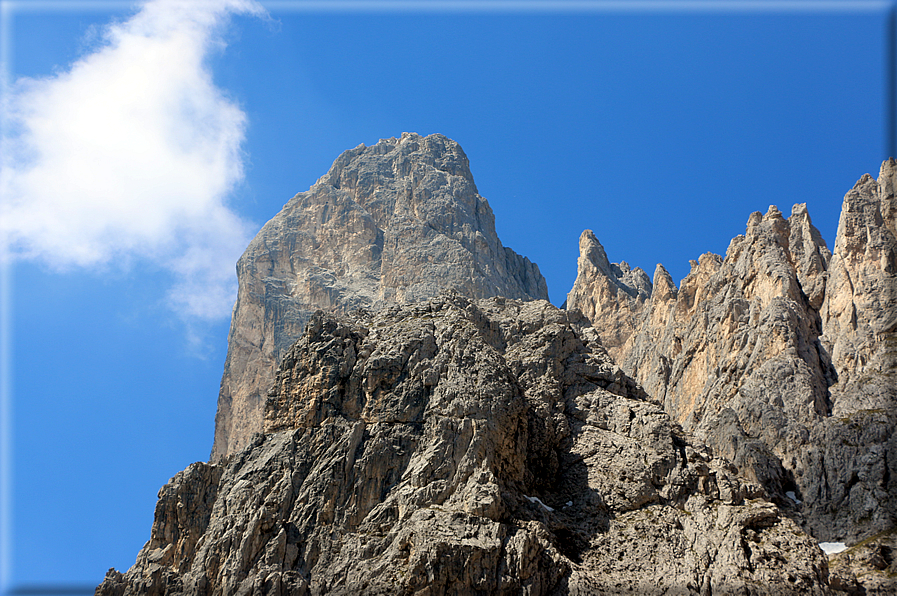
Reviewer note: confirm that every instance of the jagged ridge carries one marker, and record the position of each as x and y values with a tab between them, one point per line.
494	447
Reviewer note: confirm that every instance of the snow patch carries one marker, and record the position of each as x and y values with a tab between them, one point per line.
832	548
790	494
536	500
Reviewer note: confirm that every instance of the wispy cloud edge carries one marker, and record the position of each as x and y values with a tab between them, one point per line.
132	153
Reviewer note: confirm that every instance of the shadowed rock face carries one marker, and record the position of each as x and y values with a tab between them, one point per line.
781	356
461	447
395	222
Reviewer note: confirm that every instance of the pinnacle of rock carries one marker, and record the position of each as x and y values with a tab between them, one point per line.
860	309
663	288
780	356
608	293
392	223
810	255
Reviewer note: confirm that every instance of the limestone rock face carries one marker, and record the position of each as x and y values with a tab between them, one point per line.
860	309
859	324
609	294
781	357
461	447
395	222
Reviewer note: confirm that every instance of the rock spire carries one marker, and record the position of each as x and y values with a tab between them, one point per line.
781	356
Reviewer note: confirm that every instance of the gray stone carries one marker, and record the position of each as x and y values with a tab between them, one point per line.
868	568
460	447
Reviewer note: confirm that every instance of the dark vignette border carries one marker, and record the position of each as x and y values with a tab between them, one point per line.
890	150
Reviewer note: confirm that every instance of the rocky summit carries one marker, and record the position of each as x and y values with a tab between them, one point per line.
396	222
402	411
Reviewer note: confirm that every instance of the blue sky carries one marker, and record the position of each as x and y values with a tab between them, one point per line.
139	159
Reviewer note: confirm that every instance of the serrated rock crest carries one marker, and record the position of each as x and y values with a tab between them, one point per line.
781	356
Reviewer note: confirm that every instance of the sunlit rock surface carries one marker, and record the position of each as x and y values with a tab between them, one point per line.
418	441
781	356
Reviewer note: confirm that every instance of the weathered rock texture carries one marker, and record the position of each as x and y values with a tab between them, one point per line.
859	315
395	222
869	568
781	356
460	447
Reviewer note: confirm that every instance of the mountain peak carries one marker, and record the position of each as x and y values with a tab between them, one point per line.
396	222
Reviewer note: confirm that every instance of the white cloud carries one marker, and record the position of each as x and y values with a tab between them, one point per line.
132	152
